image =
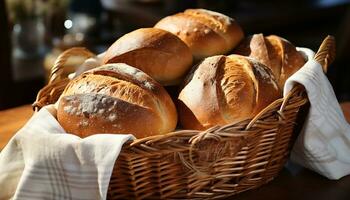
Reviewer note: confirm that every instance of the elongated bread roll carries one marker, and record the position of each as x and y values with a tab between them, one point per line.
225	89
274	52
116	98
156	52
207	33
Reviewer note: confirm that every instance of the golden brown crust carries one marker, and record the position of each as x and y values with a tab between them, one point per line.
120	118
225	89
207	33
158	53
187	119
275	52
291	59
116	98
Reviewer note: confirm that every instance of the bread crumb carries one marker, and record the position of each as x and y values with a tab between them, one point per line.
112	117
148	85
84	123
67	109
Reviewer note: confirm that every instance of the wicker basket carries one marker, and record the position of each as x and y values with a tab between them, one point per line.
212	164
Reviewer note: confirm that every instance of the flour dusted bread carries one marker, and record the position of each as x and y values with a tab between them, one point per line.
116	98
156	52
207	33
275	52
225	89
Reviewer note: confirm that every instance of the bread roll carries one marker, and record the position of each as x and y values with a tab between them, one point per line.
116	98
156	52
275	52
225	89
207	33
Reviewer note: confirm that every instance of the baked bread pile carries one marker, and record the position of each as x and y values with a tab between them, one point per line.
190	51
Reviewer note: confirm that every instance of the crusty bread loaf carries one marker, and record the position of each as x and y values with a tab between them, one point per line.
275	52
156	52
116	98
207	33
225	89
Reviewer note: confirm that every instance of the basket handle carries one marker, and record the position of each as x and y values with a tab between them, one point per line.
58	68
57	83
326	52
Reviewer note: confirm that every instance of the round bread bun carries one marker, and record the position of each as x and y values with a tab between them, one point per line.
116	98
156	52
207	33
225	89
275	52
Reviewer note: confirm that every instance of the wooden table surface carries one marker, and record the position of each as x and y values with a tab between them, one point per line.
12	120
292	183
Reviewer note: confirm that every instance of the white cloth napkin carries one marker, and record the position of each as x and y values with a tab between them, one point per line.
43	162
324	143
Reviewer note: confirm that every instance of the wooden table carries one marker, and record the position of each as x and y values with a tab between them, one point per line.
300	184
12	120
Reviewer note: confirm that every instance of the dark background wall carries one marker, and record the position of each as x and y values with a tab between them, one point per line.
5	49
303	22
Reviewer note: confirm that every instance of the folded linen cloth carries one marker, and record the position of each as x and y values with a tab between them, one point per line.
324	143
43	162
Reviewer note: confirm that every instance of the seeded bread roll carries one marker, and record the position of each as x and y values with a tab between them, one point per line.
158	53
225	89
274	52
116	98
207	33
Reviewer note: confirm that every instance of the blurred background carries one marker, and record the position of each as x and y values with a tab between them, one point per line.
34	32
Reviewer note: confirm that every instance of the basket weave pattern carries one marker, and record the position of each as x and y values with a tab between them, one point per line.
215	163
210	164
